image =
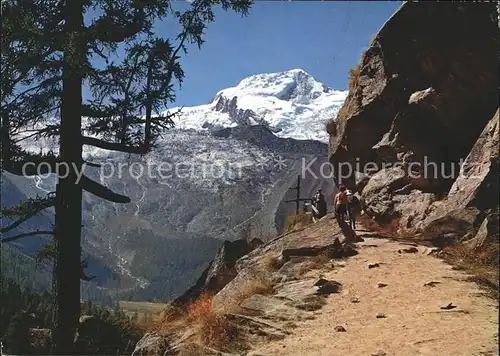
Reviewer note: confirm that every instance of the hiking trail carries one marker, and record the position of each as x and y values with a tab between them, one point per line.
394	308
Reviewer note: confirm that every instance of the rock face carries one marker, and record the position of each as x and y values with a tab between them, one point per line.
240	116
220	271
420	105
473	199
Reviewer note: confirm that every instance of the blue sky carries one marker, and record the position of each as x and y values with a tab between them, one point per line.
324	38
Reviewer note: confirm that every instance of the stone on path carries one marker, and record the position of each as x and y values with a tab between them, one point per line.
448	306
408	250
329	287
431	284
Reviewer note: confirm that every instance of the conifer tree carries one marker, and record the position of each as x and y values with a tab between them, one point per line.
49	49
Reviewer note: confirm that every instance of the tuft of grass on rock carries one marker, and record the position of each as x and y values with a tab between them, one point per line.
481	263
271	262
299	221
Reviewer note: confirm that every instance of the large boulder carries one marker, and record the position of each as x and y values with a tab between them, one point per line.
220	271
390	195
425	85
488	232
477	183
474	195
417	103
246	282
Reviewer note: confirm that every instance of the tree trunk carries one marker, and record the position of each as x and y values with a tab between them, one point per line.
68	209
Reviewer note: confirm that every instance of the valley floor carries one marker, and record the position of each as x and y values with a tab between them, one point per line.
414	323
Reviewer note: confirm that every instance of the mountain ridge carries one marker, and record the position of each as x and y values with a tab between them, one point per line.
292	103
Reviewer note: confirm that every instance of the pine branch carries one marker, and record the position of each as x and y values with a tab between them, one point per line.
112	146
90	164
29	164
47	252
102	191
26	210
107	30
49	130
42	85
83	276
26	234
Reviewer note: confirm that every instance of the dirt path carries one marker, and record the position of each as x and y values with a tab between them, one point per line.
414	323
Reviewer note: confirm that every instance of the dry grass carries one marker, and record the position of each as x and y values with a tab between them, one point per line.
352	83
482	263
302	267
320	260
344	111
211	328
260	285
331	127
305	264
146	323
270	262
353	101
299	221
214	330
389	230
208	327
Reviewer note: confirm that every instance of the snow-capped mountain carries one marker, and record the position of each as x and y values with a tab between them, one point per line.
292	104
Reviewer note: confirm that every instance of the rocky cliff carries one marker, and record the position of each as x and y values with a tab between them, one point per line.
419	124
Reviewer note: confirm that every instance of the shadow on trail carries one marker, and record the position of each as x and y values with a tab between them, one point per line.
347	231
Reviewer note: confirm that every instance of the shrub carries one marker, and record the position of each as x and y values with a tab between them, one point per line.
211	329
352	83
270	262
261	284
299	221
482	263
354	99
390	229
214	329
331	127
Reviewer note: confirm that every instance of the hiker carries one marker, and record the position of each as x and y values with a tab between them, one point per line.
319	203
340	204
353	205
305	208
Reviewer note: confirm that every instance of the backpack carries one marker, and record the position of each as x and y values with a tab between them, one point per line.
353	199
